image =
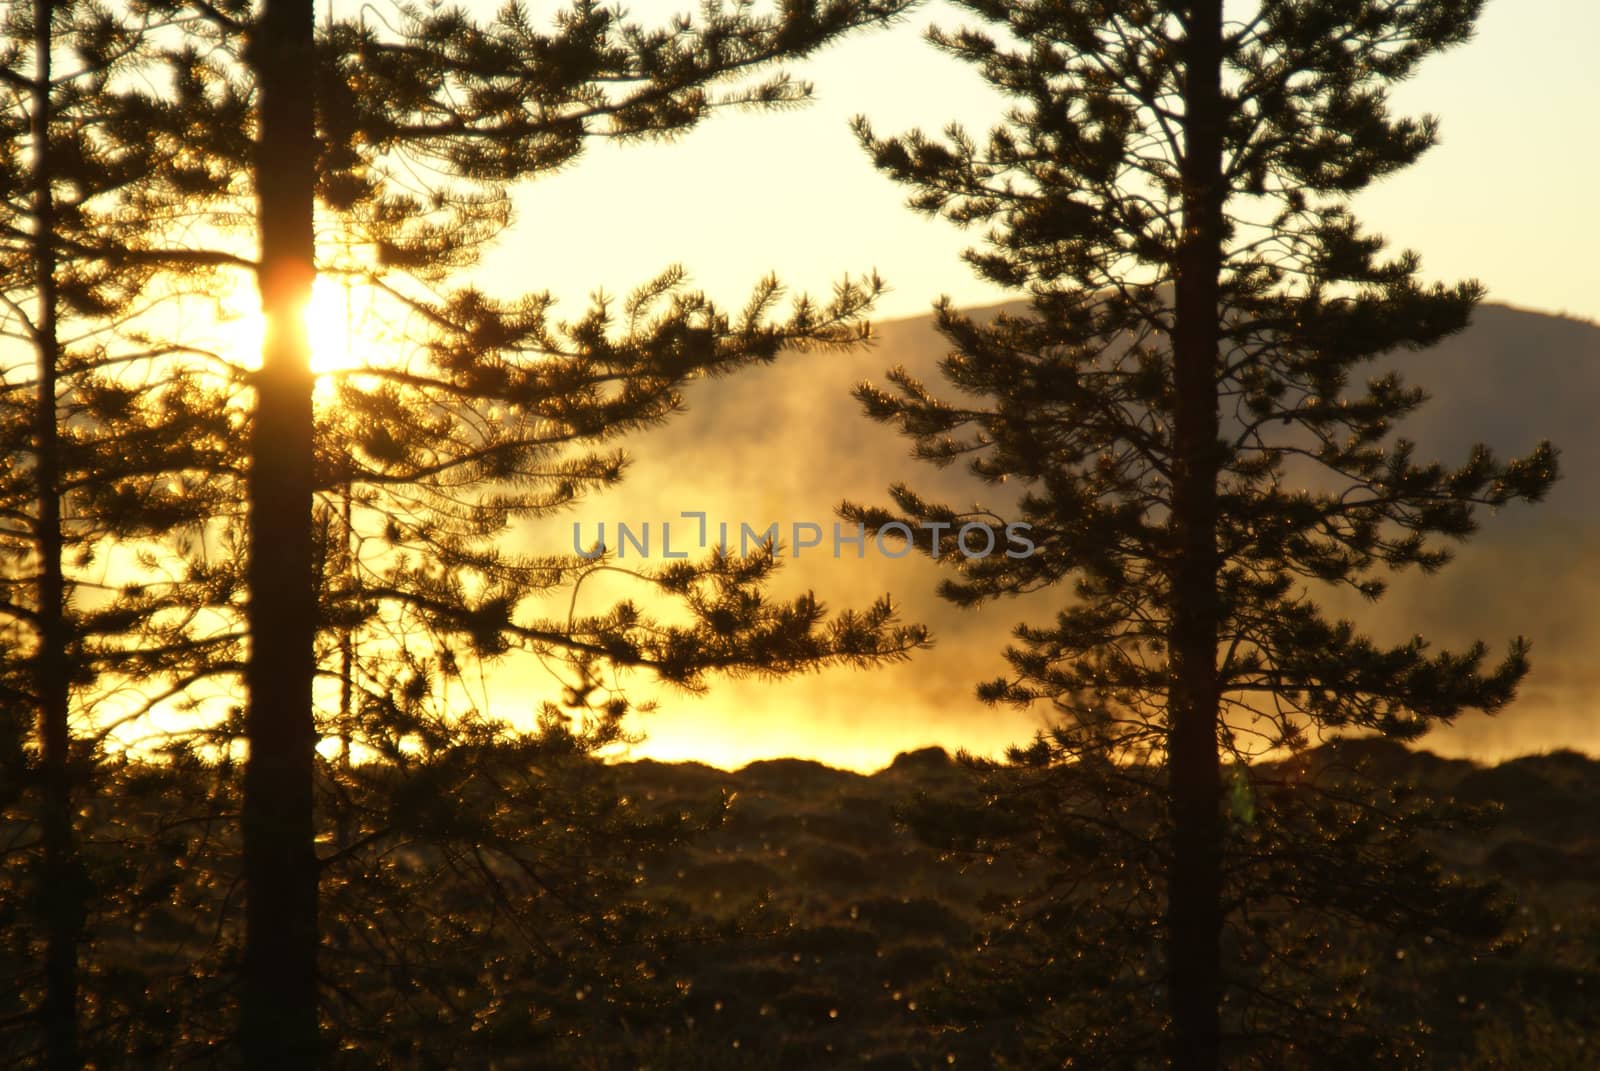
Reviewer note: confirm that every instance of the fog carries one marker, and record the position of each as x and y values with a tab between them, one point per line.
786	443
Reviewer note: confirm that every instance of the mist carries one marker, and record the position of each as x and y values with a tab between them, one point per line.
786	443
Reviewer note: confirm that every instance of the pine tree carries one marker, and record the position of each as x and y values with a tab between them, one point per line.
93	454
278	1002
183	150
61	869
1201	463
446	455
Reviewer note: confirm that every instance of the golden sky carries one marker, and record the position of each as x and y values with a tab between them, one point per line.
1507	198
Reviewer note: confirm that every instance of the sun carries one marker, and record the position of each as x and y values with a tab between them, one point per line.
338	322
335	318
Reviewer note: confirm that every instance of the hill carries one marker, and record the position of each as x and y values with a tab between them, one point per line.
785	443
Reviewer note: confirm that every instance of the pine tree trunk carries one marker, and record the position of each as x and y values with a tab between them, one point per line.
1194	890
279	1000
63	893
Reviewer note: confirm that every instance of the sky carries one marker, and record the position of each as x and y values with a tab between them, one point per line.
1506	198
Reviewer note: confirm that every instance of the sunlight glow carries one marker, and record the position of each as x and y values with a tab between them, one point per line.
334	319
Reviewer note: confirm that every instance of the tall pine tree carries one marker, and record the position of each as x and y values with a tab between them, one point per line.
1202	451
585	383
100	432
494	103
279	999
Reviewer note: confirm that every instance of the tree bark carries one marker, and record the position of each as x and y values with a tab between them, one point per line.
278	1028
1194	889
62	894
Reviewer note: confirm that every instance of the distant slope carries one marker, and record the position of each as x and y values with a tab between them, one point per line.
786	443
